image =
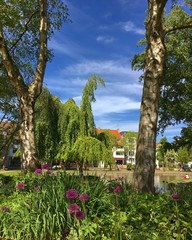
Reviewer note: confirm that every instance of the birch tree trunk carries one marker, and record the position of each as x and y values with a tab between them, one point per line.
27	93
143	178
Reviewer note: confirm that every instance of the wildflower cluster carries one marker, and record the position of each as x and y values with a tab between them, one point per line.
117	189
45	167
4	208
72	194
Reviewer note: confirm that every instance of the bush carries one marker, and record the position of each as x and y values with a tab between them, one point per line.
129	166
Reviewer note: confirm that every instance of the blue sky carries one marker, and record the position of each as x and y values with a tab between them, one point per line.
102	38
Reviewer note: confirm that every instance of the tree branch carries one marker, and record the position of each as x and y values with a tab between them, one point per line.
172	29
21	35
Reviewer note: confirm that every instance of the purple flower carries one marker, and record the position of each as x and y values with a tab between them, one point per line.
118	189
45	166
73	208
80	215
20	185
4	209
175	196
48	172
38	171
71	194
84	197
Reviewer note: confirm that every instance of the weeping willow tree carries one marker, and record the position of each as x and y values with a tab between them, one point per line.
69	129
88	150
46	125
87	124
77	122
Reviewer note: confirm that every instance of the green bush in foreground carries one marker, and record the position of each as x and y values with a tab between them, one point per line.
61	206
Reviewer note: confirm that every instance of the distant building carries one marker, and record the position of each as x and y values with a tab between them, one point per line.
118	150
9	142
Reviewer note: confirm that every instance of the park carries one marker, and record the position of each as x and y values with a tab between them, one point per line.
106	197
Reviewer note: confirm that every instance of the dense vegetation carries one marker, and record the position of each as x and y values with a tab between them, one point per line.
45	205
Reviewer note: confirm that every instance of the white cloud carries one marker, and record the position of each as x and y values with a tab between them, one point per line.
108	67
66	47
130	27
113	104
105	39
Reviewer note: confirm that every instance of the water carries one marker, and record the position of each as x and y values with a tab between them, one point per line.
161	180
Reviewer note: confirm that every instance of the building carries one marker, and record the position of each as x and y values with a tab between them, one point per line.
118	149
9	143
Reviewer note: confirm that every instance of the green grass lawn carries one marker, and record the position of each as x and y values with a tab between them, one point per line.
10	172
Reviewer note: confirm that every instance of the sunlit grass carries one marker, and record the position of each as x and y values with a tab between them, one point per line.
10	172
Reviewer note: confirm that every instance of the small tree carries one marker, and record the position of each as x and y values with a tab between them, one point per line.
170	158
183	155
89	150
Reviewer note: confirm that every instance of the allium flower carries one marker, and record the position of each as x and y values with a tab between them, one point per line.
118	189
4	209
48	172
20	185
45	166
80	215
73	208
175	196
84	197
38	171
71	194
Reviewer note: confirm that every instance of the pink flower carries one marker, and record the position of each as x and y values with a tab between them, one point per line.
175	196
4	209
80	215
84	197
118	189
20	185
73	208
45	166
71	194
38	171
107	190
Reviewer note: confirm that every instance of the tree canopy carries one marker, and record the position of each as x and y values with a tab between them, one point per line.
25	28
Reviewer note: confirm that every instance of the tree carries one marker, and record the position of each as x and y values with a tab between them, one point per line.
184	140
69	128
183	155
88	149
162	148
87	124
25	27
155	60
170	158
108	138
129	143
46	126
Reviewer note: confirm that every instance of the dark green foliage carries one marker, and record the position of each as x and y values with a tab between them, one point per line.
42	213
46	126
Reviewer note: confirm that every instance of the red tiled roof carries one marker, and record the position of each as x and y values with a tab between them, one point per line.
115	132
